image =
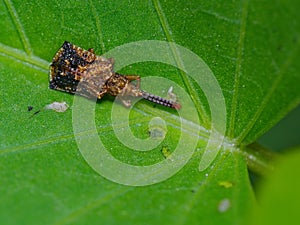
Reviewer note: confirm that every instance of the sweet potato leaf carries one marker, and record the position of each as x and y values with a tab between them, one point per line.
252	47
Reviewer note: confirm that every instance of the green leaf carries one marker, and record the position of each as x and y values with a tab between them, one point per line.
279	194
252	47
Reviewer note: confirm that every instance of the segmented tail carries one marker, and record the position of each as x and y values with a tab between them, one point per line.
160	100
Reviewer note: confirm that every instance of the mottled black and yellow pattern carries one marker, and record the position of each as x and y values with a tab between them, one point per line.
74	69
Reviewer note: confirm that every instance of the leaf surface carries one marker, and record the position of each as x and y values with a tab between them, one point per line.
252	47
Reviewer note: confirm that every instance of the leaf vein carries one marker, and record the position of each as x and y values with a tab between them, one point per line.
20	29
268	96
93	204
237	75
200	190
203	117
98	25
21	56
219	16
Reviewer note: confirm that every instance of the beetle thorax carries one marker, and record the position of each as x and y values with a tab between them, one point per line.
115	84
118	84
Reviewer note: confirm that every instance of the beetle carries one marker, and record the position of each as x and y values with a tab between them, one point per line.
76	70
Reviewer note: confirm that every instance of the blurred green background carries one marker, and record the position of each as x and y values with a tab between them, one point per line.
285	134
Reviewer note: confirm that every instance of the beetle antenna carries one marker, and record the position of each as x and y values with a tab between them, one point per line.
161	101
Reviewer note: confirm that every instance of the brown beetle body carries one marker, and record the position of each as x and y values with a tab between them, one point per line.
72	65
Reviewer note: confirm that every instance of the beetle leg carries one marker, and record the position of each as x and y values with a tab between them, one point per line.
91	50
101	93
134	77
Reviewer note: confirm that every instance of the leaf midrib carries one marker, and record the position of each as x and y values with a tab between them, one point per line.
172	120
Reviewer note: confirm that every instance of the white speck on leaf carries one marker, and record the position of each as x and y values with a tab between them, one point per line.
171	95
57	106
224	205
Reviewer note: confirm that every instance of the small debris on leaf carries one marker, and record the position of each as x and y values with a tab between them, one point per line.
57	106
29	108
226	184
166	151
224	205
171	95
